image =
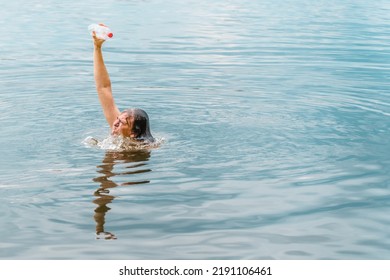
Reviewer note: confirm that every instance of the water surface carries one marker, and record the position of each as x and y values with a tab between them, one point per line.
274	118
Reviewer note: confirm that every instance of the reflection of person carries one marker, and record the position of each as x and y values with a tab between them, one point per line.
131	123
100	214
106	169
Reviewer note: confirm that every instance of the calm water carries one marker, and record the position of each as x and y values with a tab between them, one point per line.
275	117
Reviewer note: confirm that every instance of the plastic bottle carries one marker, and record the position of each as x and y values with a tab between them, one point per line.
101	30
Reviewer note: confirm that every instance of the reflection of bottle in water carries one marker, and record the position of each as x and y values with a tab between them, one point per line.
101	30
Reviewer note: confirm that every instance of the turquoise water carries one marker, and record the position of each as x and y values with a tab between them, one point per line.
274	118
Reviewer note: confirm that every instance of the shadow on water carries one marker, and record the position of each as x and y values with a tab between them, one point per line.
116	166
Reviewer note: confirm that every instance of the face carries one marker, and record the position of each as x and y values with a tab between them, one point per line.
123	126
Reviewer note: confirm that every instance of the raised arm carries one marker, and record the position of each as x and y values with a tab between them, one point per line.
103	83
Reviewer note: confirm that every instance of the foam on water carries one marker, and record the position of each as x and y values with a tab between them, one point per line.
118	143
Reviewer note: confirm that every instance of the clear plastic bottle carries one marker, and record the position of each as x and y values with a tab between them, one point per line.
101	30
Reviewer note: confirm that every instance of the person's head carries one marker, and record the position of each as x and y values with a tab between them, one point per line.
133	123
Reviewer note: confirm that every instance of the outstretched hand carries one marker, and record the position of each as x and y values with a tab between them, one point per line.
97	41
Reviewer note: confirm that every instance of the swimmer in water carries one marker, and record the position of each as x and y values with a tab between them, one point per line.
132	123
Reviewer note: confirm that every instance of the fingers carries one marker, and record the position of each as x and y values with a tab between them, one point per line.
96	38
98	42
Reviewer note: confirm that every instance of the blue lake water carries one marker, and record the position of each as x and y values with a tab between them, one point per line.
274	118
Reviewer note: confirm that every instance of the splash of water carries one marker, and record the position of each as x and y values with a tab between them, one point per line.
119	143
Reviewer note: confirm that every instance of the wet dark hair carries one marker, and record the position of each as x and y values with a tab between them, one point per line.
138	121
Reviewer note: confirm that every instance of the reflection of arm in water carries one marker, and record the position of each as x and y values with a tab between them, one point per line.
103	83
100	215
